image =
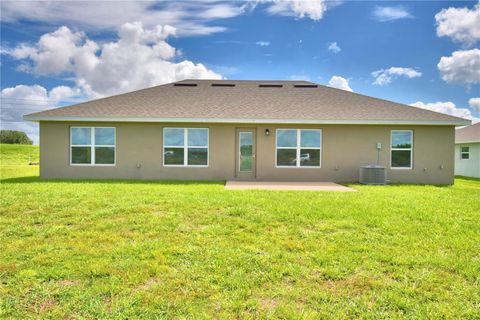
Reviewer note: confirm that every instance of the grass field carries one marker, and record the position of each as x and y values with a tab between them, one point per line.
126	250
18	154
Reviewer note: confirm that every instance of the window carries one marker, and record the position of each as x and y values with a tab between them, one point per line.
401	149
298	147
465	153
185	147
92	146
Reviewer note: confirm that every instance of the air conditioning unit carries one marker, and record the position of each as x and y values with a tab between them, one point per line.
373	174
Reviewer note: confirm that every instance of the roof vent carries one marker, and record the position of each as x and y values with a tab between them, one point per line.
305	86
223	85
270	85
184	84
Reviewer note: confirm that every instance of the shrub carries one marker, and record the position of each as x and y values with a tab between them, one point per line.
14	137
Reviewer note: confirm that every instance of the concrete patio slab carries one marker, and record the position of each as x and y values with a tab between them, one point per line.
284	185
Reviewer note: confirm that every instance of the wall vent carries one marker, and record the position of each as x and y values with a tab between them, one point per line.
184	84
373	174
223	85
270	85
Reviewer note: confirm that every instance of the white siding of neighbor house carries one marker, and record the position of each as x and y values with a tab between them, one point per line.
470	167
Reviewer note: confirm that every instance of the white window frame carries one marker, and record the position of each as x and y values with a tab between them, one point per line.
92	147
401	149
463	152
185	149
298	148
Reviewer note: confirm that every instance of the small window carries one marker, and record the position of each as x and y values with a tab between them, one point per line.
298	147
185	147
465	153
401	149
92	146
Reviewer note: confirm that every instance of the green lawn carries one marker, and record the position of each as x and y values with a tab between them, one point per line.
18	154
125	250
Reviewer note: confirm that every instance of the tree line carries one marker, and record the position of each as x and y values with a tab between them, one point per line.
14	137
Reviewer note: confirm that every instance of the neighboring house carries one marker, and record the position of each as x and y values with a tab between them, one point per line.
259	130
467	151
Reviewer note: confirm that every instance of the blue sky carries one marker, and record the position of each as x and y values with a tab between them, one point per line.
59	53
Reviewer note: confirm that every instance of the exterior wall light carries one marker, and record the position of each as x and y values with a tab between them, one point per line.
267	132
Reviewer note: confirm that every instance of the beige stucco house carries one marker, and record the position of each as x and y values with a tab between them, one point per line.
258	130
467	151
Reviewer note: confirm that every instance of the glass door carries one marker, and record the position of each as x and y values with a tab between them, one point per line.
246	153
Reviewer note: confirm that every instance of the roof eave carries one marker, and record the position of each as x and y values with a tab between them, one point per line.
454	122
467	141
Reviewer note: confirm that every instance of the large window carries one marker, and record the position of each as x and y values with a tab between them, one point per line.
185	147
464	153
92	146
298	147
401	149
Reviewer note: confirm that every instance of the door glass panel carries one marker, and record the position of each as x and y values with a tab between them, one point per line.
246	151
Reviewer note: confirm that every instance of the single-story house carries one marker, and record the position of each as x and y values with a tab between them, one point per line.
467	151
257	130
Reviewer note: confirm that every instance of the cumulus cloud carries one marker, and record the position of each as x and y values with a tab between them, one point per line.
445	107
333	47
474	103
313	9
139	58
262	43
340	83
462	25
20	100
57	52
190	17
461	67
385	76
383	14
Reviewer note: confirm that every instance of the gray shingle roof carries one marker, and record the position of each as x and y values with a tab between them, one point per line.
246	101
468	134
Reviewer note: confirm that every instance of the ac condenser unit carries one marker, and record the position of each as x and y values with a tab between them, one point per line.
373	174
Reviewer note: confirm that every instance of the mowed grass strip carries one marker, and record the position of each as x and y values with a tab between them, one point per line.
127	249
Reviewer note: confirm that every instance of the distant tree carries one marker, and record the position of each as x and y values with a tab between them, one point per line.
14	137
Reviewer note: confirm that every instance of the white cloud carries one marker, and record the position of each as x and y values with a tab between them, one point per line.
20	100
189	17
385	76
262	43
139	58
221	11
57	52
333	47
383	14
447	108
474	103
340	83
461	67
313	9
460	24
